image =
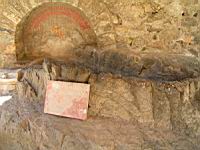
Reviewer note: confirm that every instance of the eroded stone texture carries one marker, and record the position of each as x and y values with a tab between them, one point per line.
54	30
135	101
169	105
154	82
23	126
67	99
144	26
172	105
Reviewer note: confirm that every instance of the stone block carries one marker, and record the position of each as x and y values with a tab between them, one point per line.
67	99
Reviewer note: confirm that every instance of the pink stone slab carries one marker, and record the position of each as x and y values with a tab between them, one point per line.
67	99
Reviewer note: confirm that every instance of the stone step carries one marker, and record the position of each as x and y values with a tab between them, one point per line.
8	80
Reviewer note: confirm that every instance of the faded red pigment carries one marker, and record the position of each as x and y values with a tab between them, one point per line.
58	11
76	109
67	99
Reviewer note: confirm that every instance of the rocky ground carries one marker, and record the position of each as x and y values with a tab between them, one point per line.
136	102
24	126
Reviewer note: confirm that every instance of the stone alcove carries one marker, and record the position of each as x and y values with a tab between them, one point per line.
13	12
53	30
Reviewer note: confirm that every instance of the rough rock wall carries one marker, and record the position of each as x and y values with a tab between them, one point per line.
125	112
171	105
164	26
25	127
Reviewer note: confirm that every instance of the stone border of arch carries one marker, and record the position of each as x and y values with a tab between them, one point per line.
13	13
32	21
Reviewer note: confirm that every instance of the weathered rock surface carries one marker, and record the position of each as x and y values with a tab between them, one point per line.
52	29
24	126
124	62
162	104
127	110
159	26
142	97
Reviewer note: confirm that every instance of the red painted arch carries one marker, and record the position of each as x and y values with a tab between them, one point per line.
60	11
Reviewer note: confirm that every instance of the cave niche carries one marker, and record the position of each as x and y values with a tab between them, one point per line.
53	29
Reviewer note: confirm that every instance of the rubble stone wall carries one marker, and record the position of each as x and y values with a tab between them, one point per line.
161	26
